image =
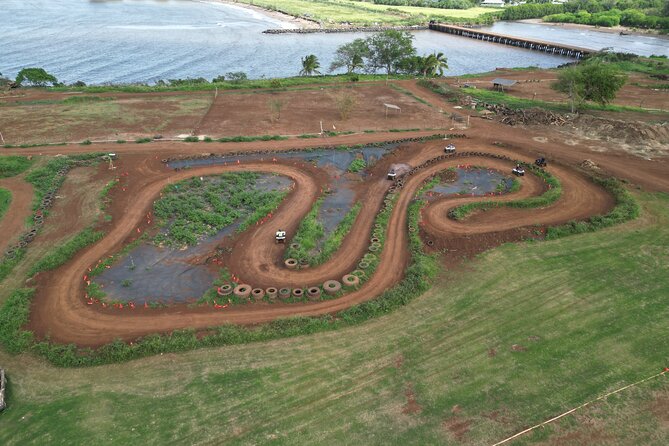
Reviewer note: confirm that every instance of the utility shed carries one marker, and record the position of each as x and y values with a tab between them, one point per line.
499	83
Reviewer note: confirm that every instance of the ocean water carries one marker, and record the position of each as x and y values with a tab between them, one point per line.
125	41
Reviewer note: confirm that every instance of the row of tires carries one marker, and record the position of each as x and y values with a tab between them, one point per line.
38	220
246	292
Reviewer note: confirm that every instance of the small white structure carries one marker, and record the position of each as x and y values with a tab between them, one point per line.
391	107
493	3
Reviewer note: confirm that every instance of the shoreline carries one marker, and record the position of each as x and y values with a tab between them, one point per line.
612	30
292	21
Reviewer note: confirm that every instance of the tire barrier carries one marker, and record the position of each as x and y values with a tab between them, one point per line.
290	263
242	291
363	265
258	294
271	293
430	243
331	287
373	248
304	263
369	257
298	293
359	273
314	293
284	293
224	290
375	240
294	246
349	280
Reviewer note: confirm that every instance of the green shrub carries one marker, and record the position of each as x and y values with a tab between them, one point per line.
12	165
357	165
64	252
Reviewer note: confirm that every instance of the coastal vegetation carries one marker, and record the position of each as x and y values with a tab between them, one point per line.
649	14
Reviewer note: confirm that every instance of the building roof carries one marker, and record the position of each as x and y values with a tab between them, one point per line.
504	82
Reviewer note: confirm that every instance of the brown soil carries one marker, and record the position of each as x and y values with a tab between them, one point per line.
458	427
248	113
13	222
412	406
61	312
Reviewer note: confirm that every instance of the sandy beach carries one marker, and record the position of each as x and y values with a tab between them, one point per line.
288	20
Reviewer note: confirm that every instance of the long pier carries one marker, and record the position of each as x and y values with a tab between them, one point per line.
531	44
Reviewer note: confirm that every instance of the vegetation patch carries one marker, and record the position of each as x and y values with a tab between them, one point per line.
5	200
64	252
195	208
357	165
13	165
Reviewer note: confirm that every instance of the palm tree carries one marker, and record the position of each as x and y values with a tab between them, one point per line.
435	64
310	65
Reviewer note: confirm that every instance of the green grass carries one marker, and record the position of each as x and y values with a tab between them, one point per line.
250	84
496	97
308	234
590	310
13	165
5	200
64	252
332	12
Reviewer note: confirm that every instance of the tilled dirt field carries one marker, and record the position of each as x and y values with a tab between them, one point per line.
61	312
249	113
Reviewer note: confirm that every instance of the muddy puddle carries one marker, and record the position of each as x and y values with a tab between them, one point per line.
471	181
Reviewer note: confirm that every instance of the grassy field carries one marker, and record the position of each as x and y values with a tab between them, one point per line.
331	12
74	121
529	331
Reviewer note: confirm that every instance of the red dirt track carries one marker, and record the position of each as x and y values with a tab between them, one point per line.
60	311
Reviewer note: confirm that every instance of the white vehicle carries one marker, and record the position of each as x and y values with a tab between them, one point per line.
518	171
392	174
449	148
280	236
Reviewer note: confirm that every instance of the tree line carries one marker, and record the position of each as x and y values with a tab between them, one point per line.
390	51
650	14
440	4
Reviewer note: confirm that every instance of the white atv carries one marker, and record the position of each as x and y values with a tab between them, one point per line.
518	171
